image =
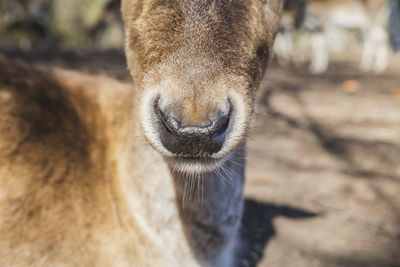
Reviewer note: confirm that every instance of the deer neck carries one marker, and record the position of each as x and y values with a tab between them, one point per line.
210	206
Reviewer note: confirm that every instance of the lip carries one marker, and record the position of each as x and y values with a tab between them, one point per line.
194	164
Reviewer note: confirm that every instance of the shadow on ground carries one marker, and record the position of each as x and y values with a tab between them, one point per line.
257	228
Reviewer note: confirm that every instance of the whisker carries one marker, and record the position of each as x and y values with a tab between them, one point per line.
231	160
223	176
219	175
190	187
198	187
202	190
227	172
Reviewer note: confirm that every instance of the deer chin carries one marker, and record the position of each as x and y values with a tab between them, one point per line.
196	163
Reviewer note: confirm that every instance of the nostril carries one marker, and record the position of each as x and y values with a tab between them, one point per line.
169	122
219	134
219	123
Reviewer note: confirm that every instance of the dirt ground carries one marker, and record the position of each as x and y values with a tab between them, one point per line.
323	173
324	164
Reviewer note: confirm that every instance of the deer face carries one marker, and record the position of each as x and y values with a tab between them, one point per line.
198	64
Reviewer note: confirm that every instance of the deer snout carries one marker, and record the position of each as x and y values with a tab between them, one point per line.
200	139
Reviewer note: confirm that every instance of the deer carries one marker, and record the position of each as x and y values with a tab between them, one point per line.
95	172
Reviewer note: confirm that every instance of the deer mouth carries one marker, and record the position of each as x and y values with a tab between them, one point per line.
194	164
194	148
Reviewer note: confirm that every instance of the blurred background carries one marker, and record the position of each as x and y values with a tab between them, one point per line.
323	176
30	24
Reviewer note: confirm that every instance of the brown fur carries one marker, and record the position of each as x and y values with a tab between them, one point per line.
79	185
236	35
51	166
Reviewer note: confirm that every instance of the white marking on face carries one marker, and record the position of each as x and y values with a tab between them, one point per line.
148	118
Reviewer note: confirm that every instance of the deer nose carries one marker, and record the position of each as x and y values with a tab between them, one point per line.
192	140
